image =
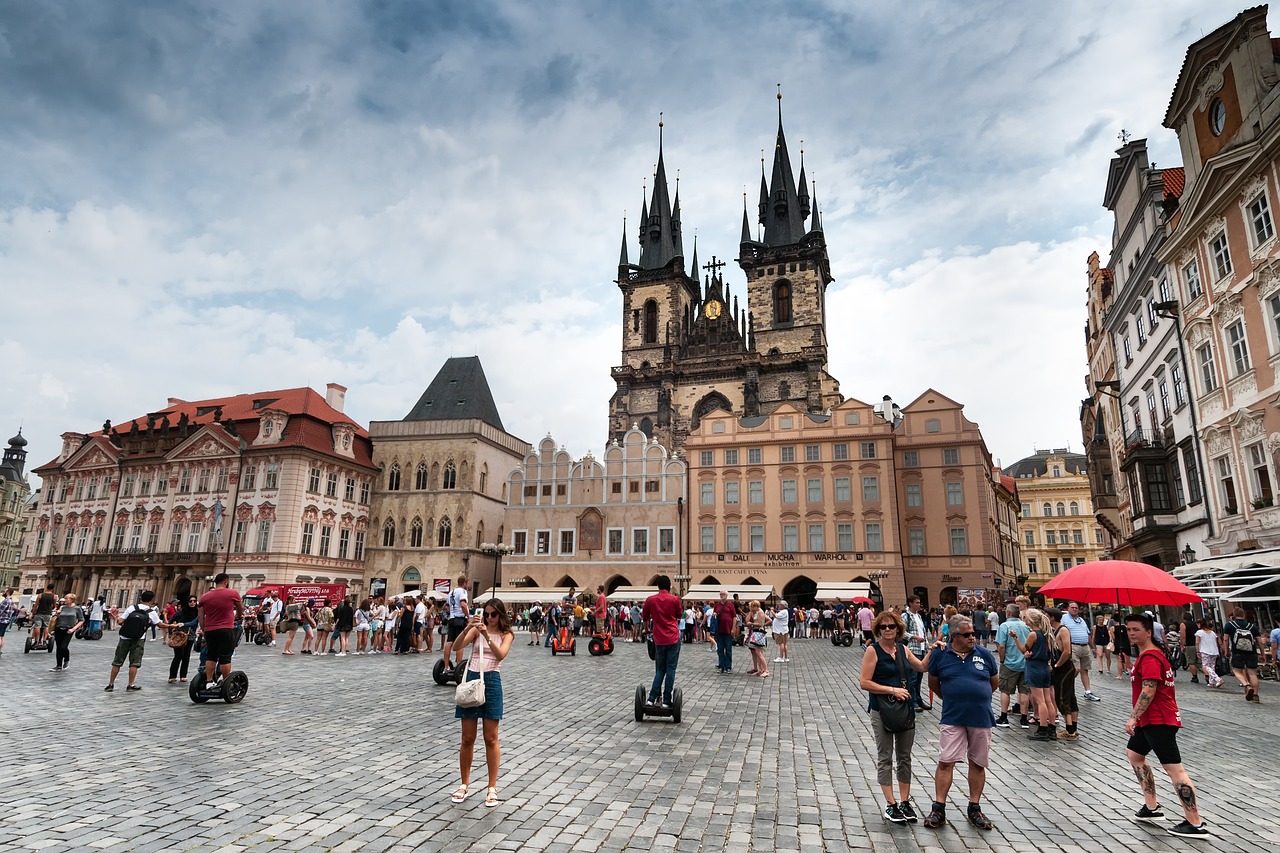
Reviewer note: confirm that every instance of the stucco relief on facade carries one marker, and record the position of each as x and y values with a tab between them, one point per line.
1210	84
1217	441
1244	384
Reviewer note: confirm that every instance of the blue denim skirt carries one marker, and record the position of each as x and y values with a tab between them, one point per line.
492	707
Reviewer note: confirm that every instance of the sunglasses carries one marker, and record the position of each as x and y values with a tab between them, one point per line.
490	613
887	627
966	634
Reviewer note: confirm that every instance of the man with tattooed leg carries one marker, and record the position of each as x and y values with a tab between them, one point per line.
1153	727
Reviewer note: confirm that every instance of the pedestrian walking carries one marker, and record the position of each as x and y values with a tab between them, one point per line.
1243	640
131	646
916	640
290	622
884	674
1081	646
1207	650
1120	642
1013	667
1063	674
781	630
1153	727
490	637
964	675
66	621
1102	643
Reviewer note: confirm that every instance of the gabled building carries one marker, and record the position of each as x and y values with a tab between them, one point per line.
1058	527
1224	262
442	484
272	487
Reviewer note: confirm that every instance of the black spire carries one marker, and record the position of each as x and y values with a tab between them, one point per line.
622	258
659	239
784	215
816	223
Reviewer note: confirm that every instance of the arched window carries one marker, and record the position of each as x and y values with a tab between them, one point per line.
1048	509
1075	508
782	302
420	476
651	322
393	477
450	477
389	533
412	575
446	533
646	427
484	477
415	533
1062	508
479	534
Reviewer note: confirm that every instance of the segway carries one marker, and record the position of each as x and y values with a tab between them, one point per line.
231	689
644	709
83	633
45	645
445	674
600	644
564	641
842	637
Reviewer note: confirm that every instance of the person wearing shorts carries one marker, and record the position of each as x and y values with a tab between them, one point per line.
964	675
42	614
219	609
1013	666
1153	727
132	648
459	614
8	612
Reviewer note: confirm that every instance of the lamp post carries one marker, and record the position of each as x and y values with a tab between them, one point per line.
876	576
681	578
496	551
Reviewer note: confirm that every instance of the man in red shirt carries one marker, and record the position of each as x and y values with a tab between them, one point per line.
661	612
219	609
1153	727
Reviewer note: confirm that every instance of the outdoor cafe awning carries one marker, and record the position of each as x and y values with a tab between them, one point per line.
744	591
632	593
526	595
842	591
1250	576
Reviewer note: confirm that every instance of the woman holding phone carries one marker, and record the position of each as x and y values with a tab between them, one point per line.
490	636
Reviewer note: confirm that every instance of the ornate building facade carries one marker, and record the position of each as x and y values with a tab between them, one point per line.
14	494
1224	255
612	521
442	486
271	487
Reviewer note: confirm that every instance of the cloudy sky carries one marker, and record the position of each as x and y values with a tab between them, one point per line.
199	199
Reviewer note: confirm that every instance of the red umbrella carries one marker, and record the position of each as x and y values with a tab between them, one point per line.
1120	582
862	599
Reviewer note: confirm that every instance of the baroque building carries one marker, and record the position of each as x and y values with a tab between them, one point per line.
14	494
1058	528
1224	259
272	487
442	484
690	346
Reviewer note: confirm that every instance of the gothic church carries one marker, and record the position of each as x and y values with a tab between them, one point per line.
690	348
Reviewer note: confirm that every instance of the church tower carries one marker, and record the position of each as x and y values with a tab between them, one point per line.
787	273
690	347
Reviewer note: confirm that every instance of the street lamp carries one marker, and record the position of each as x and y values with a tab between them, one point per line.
496	551
876	576
1188	555
683	578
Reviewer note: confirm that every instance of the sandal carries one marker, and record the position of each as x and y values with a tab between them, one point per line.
935	818
491	797
978	819
460	794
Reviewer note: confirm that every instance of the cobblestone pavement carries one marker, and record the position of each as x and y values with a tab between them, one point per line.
360	753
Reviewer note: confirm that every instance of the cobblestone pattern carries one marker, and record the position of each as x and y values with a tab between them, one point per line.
784	763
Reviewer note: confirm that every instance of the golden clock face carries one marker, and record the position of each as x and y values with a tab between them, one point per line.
713	309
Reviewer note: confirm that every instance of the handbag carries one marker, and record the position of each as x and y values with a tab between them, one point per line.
177	638
897	715
758	639
470	694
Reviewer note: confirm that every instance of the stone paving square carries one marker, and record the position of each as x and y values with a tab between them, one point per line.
360	754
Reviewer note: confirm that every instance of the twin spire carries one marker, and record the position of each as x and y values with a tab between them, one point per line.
784	206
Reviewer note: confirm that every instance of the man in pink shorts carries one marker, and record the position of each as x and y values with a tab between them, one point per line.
964	675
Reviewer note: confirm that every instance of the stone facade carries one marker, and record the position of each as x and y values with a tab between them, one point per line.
1058	528
612	521
271	487
15	492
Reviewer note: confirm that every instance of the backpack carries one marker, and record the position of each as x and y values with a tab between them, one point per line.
1244	641
134	626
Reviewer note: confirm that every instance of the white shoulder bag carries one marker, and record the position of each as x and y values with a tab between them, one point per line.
470	694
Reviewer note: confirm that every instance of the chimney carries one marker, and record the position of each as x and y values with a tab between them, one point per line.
336	396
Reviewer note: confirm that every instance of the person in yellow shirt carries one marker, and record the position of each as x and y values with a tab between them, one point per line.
578	615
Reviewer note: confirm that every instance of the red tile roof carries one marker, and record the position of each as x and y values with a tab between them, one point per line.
310	421
1175	181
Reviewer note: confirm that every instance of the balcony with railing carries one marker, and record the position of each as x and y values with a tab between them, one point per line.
121	557
1144	443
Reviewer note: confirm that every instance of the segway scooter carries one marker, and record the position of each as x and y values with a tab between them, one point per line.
45	645
230	690
842	637
445	674
564	641
601	643
644	709
83	633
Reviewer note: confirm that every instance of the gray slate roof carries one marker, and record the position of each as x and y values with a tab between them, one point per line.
459	391
1036	465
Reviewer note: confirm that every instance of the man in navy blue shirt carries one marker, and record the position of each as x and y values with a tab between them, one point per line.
965	675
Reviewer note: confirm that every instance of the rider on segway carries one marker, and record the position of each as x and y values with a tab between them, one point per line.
661	612
220	607
42	615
